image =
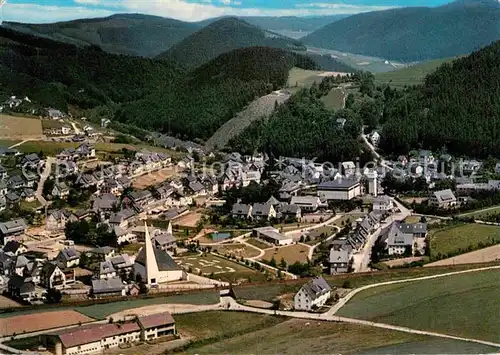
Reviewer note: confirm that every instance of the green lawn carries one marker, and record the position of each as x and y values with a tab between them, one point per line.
452	239
334	100
465	305
257	243
303	78
413	75
479	214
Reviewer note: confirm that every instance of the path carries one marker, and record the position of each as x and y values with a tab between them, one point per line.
43	177
20	143
75	128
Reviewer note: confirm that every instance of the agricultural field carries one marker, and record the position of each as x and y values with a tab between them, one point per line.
478	256
483	213
413	75
317	338
220	268
153	178
335	99
465	305
20	127
40	321
290	253
238	250
52	124
451	239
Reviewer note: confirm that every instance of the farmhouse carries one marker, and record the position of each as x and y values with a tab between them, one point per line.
313	294
272	235
339	189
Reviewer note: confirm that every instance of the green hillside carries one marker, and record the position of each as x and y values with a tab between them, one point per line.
414	33
292	23
223	36
198	104
412	75
57	74
131	34
458	107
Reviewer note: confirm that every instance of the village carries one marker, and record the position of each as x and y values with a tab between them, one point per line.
80	225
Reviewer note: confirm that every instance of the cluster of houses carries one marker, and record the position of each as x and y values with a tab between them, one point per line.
403	238
19	186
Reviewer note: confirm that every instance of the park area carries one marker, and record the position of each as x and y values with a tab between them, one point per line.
465	305
239	250
291	254
459	239
219	268
20	127
236	333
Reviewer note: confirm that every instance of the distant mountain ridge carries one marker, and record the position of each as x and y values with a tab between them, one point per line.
414	33
223	36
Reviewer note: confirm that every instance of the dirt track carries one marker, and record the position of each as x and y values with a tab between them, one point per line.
477	256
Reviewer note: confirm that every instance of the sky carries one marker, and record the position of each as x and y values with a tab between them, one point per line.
42	11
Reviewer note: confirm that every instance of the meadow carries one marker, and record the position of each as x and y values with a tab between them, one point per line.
464	305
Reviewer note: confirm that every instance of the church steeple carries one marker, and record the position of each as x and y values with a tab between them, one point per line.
151	265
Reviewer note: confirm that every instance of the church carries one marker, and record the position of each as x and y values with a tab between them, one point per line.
155	265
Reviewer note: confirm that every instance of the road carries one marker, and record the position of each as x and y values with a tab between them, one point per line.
362	258
20	143
43	177
75	128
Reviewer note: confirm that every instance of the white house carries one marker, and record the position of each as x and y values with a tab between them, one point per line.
443	199
312	295
382	204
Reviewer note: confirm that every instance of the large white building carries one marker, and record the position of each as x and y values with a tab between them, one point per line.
272	235
313	294
155	265
339	189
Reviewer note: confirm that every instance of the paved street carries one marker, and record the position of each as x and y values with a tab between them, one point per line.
43	177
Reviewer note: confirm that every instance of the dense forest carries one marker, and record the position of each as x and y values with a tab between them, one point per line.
224	36
303	127
132	34
57	74
458	108
414	33
196	105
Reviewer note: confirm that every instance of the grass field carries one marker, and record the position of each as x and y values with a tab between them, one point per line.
451	239
19	127
257	243
52	124
297	336
465	305
482	213
238	250
291	254
334	100
303	78
221	268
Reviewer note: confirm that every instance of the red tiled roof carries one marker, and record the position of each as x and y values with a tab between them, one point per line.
156	320
94	333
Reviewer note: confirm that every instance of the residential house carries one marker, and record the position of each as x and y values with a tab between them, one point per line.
18	265
248	177
241	211
11	230
21	288
104	253
211	185
443	199
51	276
313	294
31	161
104	204
122	218
67	154
57	220
307	203
348	168
15	248
400	237
165	241
382	204
106	270
123	264
30	178
85	151
197	188
3	173
60	190
3	203
288	190
108	287
417	230
3	188
375	138
66	168
54	114
28	195
470	166
86	181
263	211
340	258
12	199
68	258
163	192
288	211
16	182
141	197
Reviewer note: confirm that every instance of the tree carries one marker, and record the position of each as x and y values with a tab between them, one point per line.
54	296
272	262
283	264
346	284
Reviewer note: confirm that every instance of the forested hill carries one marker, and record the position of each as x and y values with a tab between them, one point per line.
132	34
224	36
458	107
415	33
57	74
198	104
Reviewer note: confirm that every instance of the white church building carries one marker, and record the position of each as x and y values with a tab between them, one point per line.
155	265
